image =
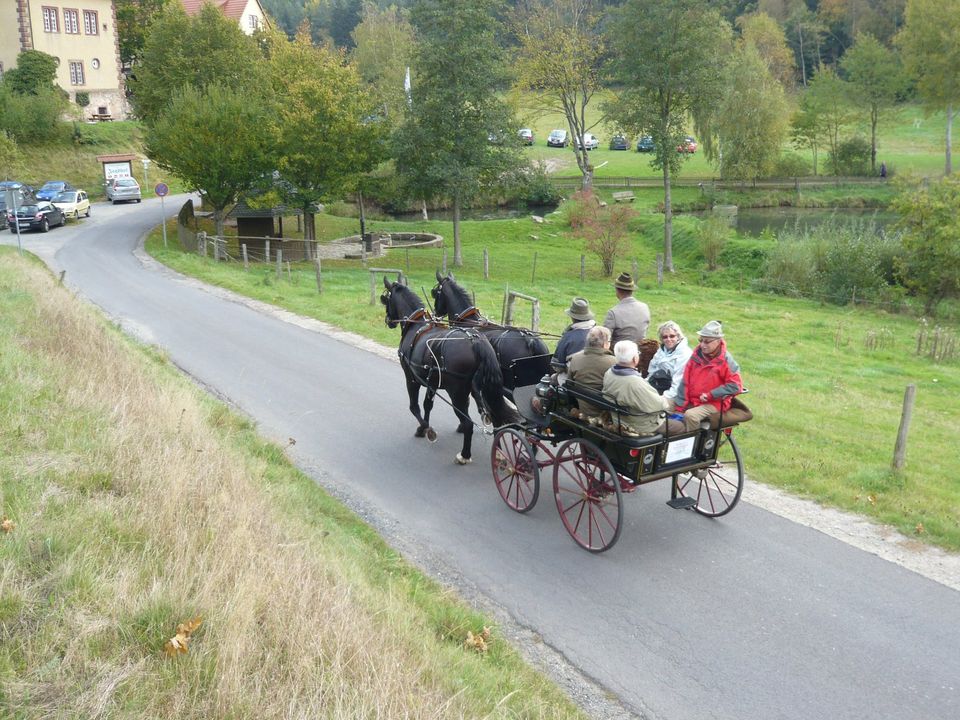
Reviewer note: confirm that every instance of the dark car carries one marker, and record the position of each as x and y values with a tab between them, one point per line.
526	136
619	142
52	188
41	215
557	138
645	144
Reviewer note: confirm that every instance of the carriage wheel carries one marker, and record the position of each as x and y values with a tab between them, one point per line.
716	488
515	470
587	491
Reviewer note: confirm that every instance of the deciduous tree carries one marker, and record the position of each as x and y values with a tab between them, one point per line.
560	61
930	41
384	50
35	73
216	139
930	265
766	35
134	18
443	148
876	77
668	61
828	98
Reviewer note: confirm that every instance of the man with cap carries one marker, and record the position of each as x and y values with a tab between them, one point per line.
574	338
646	407
629	318
711	382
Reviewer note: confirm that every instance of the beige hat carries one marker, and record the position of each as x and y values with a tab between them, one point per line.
625	282
712	329
579	310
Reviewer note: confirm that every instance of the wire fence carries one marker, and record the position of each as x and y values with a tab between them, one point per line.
711	183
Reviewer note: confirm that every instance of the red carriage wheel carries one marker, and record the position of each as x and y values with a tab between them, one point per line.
587	491
515	470
717	488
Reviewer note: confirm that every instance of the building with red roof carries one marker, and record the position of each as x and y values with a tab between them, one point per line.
248	13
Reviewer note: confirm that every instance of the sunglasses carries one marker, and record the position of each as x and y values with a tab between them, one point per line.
667	337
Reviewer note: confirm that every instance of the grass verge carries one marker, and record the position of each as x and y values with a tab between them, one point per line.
136	502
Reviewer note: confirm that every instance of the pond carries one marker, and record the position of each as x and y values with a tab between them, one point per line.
753	221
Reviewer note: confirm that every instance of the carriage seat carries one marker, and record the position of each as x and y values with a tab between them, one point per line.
611	410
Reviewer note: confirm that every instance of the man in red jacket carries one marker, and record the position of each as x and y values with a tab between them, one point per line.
711	382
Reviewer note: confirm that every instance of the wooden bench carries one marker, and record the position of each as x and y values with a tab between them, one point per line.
101	117
624	196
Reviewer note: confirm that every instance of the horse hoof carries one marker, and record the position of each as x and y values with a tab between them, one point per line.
431	435
461	460
421	432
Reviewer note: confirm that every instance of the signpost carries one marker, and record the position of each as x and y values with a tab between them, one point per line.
11	201
162	190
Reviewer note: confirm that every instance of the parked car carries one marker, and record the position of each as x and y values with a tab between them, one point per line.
645	143
52	188
590	141
25	190
41	216
557	138
619	142
72	203
687	145
526	136
123	190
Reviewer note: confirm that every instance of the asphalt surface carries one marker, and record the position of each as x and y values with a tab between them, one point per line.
748	616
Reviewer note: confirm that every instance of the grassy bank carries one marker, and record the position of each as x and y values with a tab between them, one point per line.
135	502
826	382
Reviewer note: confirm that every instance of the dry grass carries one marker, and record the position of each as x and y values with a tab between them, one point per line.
134	512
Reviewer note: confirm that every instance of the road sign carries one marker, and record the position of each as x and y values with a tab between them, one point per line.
161	189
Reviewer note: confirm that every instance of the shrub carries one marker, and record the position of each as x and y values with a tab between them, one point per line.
535	187
82	98
581	206
31	118
791	165
853	157
714	234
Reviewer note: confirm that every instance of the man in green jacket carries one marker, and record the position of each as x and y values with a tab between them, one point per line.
647	409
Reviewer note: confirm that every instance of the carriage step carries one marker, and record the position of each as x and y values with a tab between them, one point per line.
682	503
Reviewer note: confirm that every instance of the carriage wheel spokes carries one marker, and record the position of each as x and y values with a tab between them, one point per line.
717	488
588	496
515	470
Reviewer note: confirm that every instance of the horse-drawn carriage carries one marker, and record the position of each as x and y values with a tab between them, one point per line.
596	462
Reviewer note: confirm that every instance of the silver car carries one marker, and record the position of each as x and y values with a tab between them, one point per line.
123	190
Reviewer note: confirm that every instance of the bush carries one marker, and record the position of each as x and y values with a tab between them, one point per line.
82	98
31	118
853	157
713	236
535	187
581	206
791	165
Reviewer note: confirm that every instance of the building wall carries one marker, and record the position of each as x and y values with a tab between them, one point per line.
81	34
252	9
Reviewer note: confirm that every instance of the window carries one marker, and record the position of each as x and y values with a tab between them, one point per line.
90	22
71	22
51	20
76	72
253	21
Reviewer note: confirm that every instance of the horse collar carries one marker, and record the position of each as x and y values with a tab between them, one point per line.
470	312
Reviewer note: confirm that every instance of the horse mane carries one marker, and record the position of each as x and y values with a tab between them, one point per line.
461	294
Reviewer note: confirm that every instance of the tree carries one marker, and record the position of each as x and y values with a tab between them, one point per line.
876	77
560	60
828	98
216	139
807	128
764	33
35	73
384	50
930	264
322	143
931	54
443	148
196	51
668	60
134	18
32	118
752	121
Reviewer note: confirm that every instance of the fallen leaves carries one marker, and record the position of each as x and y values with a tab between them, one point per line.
7	525
919	530
478	642
180	643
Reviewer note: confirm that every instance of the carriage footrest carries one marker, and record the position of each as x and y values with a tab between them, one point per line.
682	503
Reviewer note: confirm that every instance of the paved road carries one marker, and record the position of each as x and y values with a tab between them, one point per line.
750	616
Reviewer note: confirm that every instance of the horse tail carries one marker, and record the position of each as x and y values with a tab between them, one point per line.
488	380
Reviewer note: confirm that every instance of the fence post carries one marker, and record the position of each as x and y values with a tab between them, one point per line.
443	269
266	247
659	269
486	264
246	260
406	252
583	267
289	272
319	275
279	263
900	451
533	274
535	317
633	267
202	242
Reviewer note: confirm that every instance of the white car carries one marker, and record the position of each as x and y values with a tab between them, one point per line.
73	203
122	190
590	141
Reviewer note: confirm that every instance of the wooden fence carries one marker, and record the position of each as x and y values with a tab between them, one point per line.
711	183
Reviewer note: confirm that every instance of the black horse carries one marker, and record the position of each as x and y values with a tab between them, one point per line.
510	343
438	357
